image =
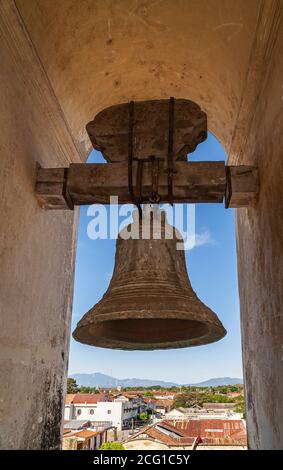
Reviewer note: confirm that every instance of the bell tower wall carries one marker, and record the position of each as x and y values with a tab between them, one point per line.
36	249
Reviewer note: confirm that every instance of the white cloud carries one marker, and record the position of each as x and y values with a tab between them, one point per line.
204	238
197	239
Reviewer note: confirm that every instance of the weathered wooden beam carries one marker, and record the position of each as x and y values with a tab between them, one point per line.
242	186
193	182
51	188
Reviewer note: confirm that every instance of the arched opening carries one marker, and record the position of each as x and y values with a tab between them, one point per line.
212	269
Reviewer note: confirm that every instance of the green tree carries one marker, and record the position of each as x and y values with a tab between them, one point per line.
84	389
241	408
112	446
143	416
72	386
198	397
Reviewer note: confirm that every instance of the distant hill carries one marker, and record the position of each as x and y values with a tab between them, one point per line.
101	380
219	381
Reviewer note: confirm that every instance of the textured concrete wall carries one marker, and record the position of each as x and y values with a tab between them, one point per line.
260	263
36	249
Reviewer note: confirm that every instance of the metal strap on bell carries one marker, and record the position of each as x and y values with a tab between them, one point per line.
150	303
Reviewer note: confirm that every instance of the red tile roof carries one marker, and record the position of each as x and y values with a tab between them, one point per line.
86	433
167	403
88	398
234	394
69	398
154	433
206	427
211	431
130	395
148	400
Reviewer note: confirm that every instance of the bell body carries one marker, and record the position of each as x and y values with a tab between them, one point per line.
150	303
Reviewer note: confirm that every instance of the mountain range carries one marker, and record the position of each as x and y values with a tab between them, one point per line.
101	380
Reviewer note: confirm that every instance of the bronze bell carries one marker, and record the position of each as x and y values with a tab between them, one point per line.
150	303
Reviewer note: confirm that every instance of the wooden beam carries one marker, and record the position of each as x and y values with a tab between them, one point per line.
51	188
242	186
193	182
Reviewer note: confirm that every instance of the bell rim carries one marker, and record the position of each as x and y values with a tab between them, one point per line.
202	314
215	332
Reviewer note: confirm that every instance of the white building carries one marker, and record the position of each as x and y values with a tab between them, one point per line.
98	408
83	435
159	395
198	412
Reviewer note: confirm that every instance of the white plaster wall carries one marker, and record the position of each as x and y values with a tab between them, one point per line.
116	413
117	408
174	414
85	412
68	412
101	412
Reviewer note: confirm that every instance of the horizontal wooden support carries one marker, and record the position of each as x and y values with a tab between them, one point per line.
242	186
193	182
51	188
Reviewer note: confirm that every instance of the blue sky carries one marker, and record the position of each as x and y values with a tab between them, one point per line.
213	273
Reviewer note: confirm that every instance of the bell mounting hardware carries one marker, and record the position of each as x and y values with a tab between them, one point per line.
146	145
